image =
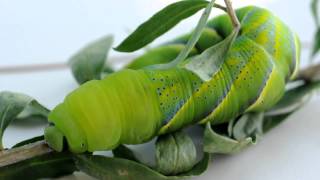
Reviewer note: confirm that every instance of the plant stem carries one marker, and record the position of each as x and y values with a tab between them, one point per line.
220	7
309	74
234	19
25	152
30	68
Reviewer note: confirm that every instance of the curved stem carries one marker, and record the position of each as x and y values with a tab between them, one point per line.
220	7
234	19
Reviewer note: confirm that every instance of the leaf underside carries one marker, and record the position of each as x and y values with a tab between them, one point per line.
89	63
17	106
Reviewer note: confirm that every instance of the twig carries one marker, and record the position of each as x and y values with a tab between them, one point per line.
32	68
29	68
232	14
310	73
220	7
28	151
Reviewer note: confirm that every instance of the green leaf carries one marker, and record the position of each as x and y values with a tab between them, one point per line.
314	10
107	168
316	43
175	153
89	62
160	23
28	141
290	102
248	125
209	62
270	122
45	166
124	152
294	98
14	106
315	14
196	34
114	168
199	168
107	69
216	143
34	110
159	55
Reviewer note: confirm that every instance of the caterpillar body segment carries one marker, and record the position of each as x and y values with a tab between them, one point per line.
134	105
232	90
94	109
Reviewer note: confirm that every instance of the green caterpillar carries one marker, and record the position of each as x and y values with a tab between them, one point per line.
133	106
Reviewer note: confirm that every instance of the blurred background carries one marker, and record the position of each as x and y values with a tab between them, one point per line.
48	32
42	31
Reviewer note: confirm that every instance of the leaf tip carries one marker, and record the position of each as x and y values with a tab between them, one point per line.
122	48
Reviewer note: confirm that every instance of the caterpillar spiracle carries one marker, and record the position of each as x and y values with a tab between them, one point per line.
134	105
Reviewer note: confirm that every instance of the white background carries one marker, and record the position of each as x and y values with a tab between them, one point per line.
42	31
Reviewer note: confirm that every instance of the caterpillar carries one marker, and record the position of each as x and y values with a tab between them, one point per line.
136	104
